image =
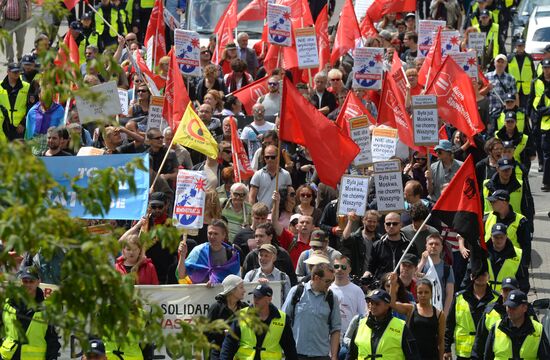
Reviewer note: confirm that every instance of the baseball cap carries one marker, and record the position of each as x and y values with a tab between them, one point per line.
157	198
29	272
409	15
317	257
96	347
499	195
509	97
379	295
76	25
510	283
516	298
510	115
14	67
504	164
545	63
444	145
317	238
410	259
520	42
262	290
230	282
508	145
498	229
501	57
268	247
28	60
295	217
484	12
86	16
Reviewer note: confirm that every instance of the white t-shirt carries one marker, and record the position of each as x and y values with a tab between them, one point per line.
352	302
251	139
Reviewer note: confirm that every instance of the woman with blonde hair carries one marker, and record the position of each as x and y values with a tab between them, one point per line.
210	81
214	98
133	261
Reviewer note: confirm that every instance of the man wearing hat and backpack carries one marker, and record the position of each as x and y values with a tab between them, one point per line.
246	343
517	336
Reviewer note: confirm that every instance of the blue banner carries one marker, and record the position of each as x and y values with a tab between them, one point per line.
127	206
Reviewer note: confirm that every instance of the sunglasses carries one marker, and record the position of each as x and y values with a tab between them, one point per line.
157	207
142	91
338	266
158	138
337	79
306	195
273	84
270	157
392	223
205	52
238	195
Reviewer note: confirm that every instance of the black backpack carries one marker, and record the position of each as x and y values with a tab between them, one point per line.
329	298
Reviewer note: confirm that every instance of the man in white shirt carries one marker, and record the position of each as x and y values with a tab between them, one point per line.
252	133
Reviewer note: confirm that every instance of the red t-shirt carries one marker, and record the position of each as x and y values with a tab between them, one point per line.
285	239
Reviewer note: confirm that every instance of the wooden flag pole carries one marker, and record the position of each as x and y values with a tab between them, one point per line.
163	161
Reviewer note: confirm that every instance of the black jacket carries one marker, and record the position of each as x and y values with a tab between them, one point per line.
497	260
523	232
355	248
386	253
220	310
328	221
328	100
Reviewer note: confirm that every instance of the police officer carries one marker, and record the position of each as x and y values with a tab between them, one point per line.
517	336
40	340
510	105
96	351
108	35
380	335
545	55
540	94
522	67
246	343
90	34
524	149
14	94
494	43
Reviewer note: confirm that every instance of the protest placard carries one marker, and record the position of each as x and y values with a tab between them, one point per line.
360	133
306	47
361	7
425	120
126	206
279	25
368	67
187	47
189	200
108	103
155	119
476	41
384	142
426	29
450	41
353	195
123	97
389	186
467	61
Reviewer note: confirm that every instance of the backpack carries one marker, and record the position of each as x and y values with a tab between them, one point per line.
329	298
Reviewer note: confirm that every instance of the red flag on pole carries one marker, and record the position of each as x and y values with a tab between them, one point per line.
254	11
69	4
456	99
152	79
249	94
382	7
73	56
176	96
347	34
352	107
155	40
323	43
331	149
433	61
241	164
299	12
367	27
224	29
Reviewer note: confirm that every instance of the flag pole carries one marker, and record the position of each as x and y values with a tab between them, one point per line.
102	18
427	78
278	56
278	161
66	115
412	242
163	161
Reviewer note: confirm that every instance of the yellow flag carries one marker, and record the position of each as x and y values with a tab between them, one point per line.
192	133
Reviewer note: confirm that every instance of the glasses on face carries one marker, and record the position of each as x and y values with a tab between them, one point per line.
158	138
306	195
273	83
270	157
238	195
205	52
336	79
157	207
338	266
140	91
392	223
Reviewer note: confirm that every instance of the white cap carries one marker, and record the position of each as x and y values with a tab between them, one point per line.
230	283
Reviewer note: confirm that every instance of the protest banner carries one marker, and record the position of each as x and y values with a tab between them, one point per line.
189	200
353	195
126	206
467	60
179	303
279	25
425	120
368	67
384	142
426	34
389	186
476	41
450	41
306	47
108	103
89	151
360	133
187	45
124	103
155	119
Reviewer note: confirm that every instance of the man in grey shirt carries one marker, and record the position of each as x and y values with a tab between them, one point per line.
262	184
442	171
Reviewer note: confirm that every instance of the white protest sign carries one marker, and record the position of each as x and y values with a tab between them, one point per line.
389	186
353	195
360	134
368	66
425	120
361	7
476	41
155	119
384	142
466	60
123	97
306	48
187	47
107	105
450	41
279	25
426	29
189	200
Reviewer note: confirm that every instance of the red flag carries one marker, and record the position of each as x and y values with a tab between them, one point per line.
152	79
224	30
155	36
254	11
229	17
288	60
482	77
73	56
249	94
456	99
367	27
459	206
433	61
352	107
69	4
347	34
331	149
241	165
323	43
176	96
382	7
299	12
